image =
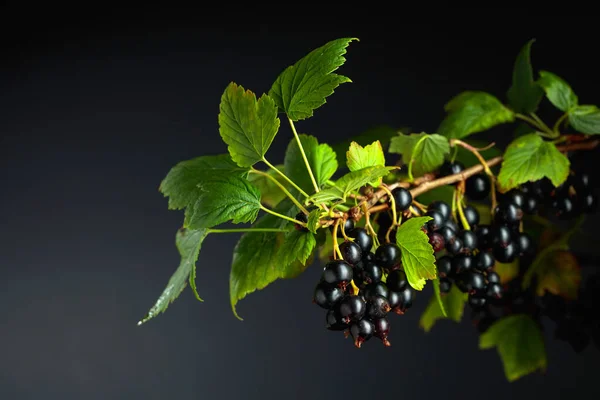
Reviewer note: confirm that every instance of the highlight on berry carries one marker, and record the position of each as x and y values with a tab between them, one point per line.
393	217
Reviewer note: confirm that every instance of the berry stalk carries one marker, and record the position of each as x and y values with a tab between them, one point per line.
284	176
312	177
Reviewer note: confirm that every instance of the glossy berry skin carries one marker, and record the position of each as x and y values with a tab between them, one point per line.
396	281
442	207
437	242
325	296
368	257
507	214
493	277
362	238
387	255
494	291
484	237
376	289
478	187
477	302
372	273
454	247
506	254
334	321
484	261
501	236
471	215
348	226
378	307
337	272
407	296
361	331
515	197
451	224
445	285
526	247
475	282
436	222
444	266
462	263
469	240
588	202
447	233
530	205
580	182
382	330
451	168
352	308
302	218
402	198
351	252
564	207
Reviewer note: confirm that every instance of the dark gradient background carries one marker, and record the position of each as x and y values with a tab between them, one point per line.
94	112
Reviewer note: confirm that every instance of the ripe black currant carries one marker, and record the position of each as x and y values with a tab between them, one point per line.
334	321
471	215
493	277
402	198
382	330
506	254
351	252
302	218
372	273
442	207
507	214
501	236
396	281
462	263
588	202
451	168
378	307
447	233
394	300
445	285
444	266
451	224
437	242
475	282
478	187
436	222
368	257
361	331
348	225
477	302
565	206
526	247
494	291
580	182
325	296
352	308
454	247
407	296
362	238
469	240
376	289
515	197
337	272
387	255
484	237
484	261
530	205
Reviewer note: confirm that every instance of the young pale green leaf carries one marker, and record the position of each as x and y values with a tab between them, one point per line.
246	125
181	183
303	87
383	133
313	220
558	91
454	305
188	242
224	199
472	112
297	246
530	158
520	344
321	158
417	256
525	94
270	193
349	183
585	119
359	157
425	152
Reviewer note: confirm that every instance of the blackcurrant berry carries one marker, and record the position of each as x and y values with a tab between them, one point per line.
507	214
378	307
352	308
501	236
475	282
469	240
348	225
362	238
588	202
302	218
368	257
454	247
564	206
382	330
581	182
484	261
325	296
387	255
437	242
396	281
478	187
444	266
451	168
442	207
514	196
462	263
533	189
477	302
506	254
530	206
394	300
494	291
334	321
447	233
471	215
376	289
445	285
402	198
362	331
351	252
407	296
337	272
451	224
372	273
526	247
493	277
436	222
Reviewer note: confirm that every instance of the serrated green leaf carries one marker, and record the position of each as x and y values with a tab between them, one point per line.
313	220
472	112
585	119
270	193
417	256
438	296
188	242
530	158
454	304
359	157
321	158
425	152
246	125
303	87
224	199
557	91
520	344
349	183
297	246
181	183
383	133
524	95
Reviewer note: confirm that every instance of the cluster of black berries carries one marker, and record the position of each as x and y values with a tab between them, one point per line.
360	290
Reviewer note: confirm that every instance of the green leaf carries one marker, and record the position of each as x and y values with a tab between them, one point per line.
530	158
270	193
349	183
321	158
297	246
472	112
417	256
188	242
520	344
383	133
313	220
181	183
558	91
454	304
224	199
438	296
524	95
561	275
359	157
585	119
246	125
303	87
425	152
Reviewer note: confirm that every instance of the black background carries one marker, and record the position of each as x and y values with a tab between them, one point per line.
94	110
